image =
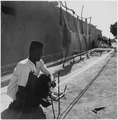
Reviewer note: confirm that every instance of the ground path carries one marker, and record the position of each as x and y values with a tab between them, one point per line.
102	92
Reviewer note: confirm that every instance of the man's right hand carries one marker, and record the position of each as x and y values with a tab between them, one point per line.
53	84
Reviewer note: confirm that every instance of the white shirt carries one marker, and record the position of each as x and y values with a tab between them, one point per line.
21	73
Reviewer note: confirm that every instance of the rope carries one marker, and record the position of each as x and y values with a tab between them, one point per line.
82	92
58	95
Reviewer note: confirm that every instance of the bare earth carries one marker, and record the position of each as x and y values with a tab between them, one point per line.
82	95
102	92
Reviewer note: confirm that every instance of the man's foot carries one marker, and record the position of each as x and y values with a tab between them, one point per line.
45	103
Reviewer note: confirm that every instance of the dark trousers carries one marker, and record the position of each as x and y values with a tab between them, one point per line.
29	97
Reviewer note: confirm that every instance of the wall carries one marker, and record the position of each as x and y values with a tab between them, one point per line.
28	24
30	21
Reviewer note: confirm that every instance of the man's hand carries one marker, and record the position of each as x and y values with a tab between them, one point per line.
53	84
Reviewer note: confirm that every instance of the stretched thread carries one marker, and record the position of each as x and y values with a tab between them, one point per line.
68	109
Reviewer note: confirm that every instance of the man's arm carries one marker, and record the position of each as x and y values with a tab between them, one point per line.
45	70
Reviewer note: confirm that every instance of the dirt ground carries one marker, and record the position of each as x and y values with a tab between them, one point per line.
88	87
82	99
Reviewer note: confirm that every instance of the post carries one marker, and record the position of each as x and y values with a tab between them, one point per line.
58	95
52	107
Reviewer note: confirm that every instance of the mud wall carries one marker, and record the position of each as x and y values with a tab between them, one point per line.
25	21
32	21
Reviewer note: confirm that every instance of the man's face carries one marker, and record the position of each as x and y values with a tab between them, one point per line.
37	54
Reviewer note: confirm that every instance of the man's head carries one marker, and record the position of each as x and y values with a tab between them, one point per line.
35	51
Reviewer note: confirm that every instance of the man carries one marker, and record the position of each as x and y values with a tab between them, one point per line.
27	87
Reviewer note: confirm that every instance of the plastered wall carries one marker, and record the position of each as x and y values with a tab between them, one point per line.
30	21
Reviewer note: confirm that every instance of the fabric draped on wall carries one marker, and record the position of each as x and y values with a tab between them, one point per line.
81	27
83	39
82	35
89	41
76	37
75	41
67	36
89	34
79	33
61	18
86	35
86	26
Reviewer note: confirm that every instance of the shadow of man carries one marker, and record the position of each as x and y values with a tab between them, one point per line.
64	71
36	113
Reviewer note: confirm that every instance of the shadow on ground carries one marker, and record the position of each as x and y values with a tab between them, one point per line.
36	113
67	68
64	71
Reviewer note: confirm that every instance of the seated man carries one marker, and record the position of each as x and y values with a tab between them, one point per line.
27	88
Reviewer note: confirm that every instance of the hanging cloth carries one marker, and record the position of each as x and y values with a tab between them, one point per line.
89	29
89	35
78	33
67	11
86	36
86	26
81	35
81	26
61	17
66	38
67	35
